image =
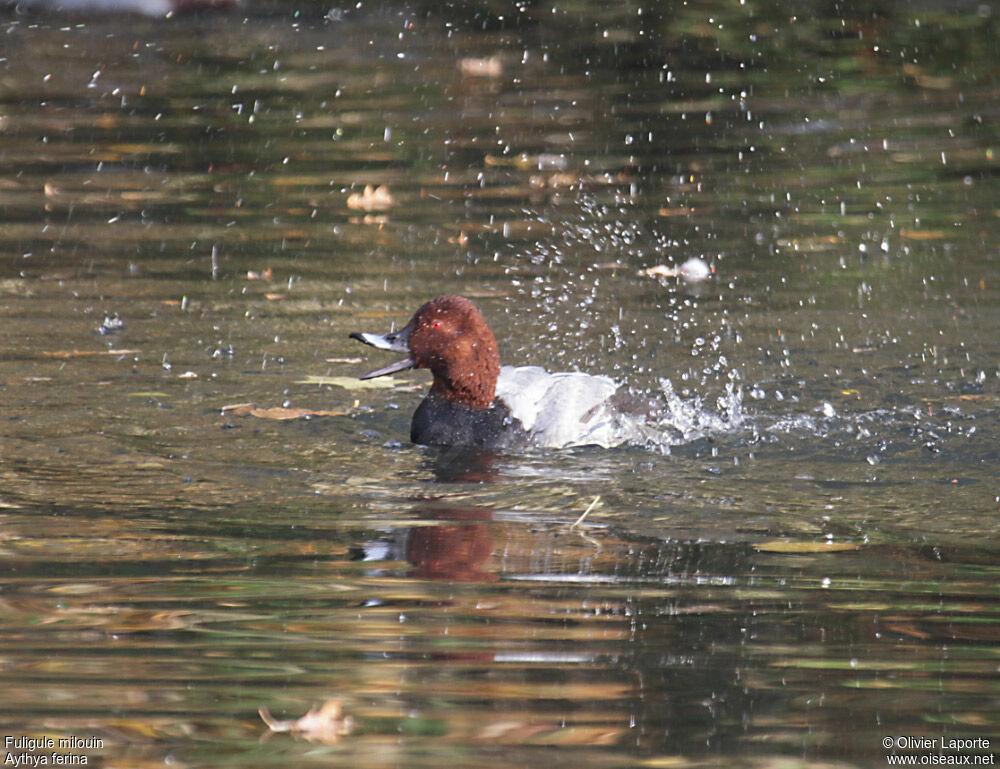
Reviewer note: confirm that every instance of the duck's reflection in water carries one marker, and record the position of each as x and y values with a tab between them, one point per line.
459	547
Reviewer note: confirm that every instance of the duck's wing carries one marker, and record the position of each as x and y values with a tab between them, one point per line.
563	409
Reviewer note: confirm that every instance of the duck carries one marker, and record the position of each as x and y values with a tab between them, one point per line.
476	402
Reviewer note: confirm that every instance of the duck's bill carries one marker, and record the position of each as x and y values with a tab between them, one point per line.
392	368
397	341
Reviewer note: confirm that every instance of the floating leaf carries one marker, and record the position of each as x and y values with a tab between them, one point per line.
921	78
659	271
371	199
986	397
325	724
15	286
238	409
922	234
555	180
279	413
84	353
811	245
546	161
693	270
665	762
787	546
522	161
379	219
350	383
907	629
489	67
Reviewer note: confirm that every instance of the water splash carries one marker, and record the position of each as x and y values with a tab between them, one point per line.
673	420
575	282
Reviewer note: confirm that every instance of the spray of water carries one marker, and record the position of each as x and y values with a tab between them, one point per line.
581	286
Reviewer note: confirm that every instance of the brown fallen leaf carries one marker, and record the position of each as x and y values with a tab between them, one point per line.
922	234
522	161
325	724
785	546
371	199
15	287
658	271
811	245
987	397
906	628
84	353
545	161
922	79
489	67
238	409
554	181
693	270
279	413
664	762
283	414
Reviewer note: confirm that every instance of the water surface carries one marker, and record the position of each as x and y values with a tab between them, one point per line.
805	565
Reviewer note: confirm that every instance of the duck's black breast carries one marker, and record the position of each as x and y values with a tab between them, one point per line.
439	422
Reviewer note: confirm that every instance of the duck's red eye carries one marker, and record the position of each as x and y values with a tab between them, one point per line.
436	324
